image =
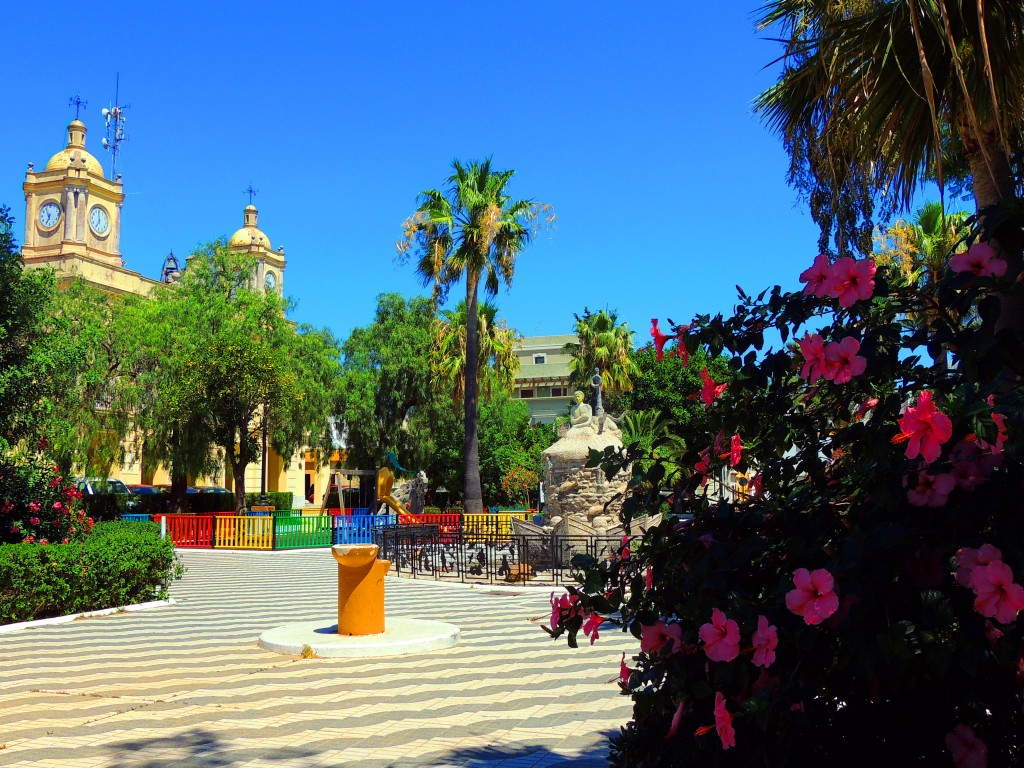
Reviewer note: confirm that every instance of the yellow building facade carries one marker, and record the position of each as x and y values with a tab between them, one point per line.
73	226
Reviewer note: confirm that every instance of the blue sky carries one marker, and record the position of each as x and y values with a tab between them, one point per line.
633	121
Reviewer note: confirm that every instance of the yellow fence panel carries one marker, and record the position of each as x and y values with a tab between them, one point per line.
491	524
244	532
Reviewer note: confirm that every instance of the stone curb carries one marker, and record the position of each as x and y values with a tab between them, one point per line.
7	628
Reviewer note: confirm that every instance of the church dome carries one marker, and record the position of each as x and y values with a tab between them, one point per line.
250	234
74	155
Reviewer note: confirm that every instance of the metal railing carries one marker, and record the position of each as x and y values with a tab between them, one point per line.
426	551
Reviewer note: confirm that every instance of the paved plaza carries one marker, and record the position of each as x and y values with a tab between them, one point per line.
187	685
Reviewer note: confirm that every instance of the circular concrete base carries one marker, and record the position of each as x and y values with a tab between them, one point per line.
400	636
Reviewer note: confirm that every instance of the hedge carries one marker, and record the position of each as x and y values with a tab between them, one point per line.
116	564
278	499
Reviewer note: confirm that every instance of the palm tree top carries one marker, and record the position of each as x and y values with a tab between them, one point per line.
471	228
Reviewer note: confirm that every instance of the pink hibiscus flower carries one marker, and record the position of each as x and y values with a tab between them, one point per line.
723	723
34	506
677	718
624	671
814	598
812	347
996	594
968	750
765	640
817	276
710	389
563	605
926	428
661	636
591	625
703	467
852	281
842	362
931	490
659	338
721	637
980	260
735	451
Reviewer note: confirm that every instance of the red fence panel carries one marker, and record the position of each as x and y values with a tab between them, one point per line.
189	531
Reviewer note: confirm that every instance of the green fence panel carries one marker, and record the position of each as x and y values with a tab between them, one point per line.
298	531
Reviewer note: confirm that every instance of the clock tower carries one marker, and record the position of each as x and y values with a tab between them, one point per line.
73	214
270	264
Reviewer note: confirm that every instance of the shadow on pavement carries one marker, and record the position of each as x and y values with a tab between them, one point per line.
196	748
593	754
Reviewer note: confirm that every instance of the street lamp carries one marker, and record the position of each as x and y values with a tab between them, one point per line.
264	501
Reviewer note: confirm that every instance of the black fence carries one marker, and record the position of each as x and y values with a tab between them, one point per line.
431	552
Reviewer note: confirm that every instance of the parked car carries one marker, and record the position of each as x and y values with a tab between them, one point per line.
90	486
209	489
140	489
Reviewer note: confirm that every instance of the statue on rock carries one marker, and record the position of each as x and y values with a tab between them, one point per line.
573	491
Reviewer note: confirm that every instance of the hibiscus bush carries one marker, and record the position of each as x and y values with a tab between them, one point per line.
857	598
37	504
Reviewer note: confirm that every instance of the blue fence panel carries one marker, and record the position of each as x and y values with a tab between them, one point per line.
133	518
358	529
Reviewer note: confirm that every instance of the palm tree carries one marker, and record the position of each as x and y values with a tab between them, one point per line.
497	360
882	87
471	230
604	344
921	249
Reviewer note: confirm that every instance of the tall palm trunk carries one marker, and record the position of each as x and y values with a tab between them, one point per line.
993	182
472	495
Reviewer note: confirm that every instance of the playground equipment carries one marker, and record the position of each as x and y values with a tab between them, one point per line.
351	497
385	484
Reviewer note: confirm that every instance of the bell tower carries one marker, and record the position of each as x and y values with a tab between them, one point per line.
251	240
72	212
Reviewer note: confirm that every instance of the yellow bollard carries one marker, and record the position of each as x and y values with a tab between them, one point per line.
360	589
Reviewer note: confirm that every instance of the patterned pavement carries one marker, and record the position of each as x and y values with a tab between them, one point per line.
187	685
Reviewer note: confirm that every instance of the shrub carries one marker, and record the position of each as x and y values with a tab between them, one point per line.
117	564
858	598
278	499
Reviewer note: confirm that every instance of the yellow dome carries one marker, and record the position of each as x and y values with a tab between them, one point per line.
74	155
75	158
250	234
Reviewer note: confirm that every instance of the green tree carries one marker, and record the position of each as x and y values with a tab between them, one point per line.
55	354
497	362
26	374
606	344
88	424
385	374
671	388
237	367
473	230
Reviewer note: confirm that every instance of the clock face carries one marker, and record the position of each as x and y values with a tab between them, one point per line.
98	220
49	214
270	281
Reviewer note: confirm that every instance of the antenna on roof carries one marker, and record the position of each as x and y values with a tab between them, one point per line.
77	102
115	127
250	192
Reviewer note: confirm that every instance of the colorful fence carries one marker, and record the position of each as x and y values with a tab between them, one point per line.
489	525
358	529
244	532
135	518
291	529
297	531
189	531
